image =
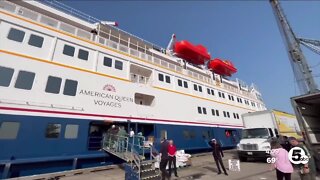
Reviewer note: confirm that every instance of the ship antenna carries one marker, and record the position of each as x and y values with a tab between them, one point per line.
171	44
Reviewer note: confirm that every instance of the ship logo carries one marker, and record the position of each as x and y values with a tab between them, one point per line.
109	87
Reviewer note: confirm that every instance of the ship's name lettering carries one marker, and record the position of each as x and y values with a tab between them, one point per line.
107	103
106	95
114	100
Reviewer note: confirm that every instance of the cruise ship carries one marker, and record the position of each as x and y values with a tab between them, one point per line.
66	77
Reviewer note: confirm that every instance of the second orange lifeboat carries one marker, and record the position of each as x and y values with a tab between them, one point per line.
195	54
224	68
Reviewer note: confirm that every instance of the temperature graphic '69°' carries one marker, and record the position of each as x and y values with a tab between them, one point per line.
272	152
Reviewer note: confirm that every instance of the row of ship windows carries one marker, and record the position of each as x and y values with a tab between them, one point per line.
9	130
215	112
25	80
196	87
68	50
37	41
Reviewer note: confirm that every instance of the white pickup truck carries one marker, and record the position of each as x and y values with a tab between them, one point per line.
260	127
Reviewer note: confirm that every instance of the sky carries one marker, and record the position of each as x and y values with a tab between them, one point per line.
244	32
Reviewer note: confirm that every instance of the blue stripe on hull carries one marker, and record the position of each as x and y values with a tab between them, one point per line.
196	138
32	153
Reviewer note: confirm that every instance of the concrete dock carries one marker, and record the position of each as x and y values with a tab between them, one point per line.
203	167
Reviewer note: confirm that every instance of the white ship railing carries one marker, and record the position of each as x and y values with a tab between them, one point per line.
139	78
112	41
69	10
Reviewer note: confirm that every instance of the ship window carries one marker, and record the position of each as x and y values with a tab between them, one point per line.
5	76
200	88
204	110
167	79
160	76
16	35
71	131
83	54
70	87
53	85
107	61
206	134
213	112
195	87
271	132
9	130
217	112
68	50
118	65
228	114
234	115
224	114
208	90
238	116
179	82
36	41
163	134
185	84
188	134
25	80
222	95
199	110
253	104
212	91
219	94
53	130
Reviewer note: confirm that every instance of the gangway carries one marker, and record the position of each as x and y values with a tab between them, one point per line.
133	151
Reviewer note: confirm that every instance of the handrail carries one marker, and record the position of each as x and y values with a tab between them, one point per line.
146	56
74	12
69	10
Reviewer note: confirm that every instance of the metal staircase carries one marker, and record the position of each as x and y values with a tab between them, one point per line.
133	150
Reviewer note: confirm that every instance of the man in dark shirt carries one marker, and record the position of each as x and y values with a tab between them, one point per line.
284	142
217	155
164	158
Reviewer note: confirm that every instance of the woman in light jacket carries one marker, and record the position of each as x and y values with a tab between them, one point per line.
281	161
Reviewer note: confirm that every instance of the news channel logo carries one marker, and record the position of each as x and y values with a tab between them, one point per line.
296	155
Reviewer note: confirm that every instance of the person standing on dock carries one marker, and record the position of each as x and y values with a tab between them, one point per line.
164	158
217	155
282	163
306	171
172	150
122	135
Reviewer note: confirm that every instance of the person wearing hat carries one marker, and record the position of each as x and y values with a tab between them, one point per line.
306	171
282	163
164	158
217	155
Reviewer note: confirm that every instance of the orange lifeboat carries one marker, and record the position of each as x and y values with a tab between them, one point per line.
224	68
195	54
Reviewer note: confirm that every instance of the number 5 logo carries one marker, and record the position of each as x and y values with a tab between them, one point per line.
298	156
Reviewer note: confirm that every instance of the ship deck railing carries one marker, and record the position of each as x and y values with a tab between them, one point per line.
108	39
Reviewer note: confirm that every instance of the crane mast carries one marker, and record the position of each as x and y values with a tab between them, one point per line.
299	64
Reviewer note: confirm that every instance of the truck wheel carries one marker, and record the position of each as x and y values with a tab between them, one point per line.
242	159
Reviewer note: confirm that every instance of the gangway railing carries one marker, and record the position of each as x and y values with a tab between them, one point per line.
133	151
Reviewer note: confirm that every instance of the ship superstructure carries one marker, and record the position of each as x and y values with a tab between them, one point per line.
66	77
